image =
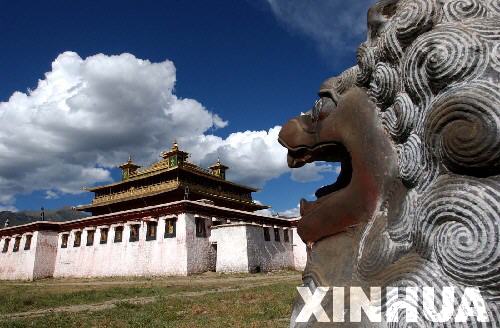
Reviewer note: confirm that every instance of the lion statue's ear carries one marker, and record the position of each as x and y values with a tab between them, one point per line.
336	86
378	17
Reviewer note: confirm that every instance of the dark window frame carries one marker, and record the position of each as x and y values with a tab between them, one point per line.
149	225
90	233
286	235
118	229
17	244
6	244
277	234
267	234
137	228
64	240
174	225
78	239
103	232
201	228
27	242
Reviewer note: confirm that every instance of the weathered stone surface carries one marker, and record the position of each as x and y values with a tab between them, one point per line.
419	202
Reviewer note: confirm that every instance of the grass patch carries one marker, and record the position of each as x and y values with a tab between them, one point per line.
212	302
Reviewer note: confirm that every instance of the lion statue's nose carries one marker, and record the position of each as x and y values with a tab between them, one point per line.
298	132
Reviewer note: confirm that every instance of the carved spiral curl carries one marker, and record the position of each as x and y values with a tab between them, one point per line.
495	6
414	18
487	28
458	224
457	10
495	57
385	84
399	120
389	47
400	228
367	59
463	129
448	54
346	80
410	160
378	251
412	271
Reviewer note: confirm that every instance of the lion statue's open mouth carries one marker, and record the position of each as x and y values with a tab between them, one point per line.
342	128
416	128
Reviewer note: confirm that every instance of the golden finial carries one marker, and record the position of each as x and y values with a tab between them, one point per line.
175	145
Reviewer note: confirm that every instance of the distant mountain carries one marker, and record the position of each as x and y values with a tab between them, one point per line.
23	217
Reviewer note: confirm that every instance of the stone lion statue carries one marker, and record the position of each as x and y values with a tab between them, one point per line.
416	128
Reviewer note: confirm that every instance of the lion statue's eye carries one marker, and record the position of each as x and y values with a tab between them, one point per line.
316	110
322	108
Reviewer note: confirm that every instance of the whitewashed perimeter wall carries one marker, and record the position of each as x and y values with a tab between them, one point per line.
299	251
46	254
269	255
37	262
232	250
241	248
198	252
17	265
163	256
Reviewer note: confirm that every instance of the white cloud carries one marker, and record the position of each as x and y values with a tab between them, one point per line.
265	212
87	115
254	157
291	213
333	24
313	172
7	208
49	194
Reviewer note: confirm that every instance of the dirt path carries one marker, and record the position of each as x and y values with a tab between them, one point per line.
170	281
142	300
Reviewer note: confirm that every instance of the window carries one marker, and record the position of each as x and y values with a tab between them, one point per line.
118	234
90	237
152	228
267	237
64	240
78	239
104	236
200	228
6	245
277	234
134	232
286	236
27	244
17	242
170	228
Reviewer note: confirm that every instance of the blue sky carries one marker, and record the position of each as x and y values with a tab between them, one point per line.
242	65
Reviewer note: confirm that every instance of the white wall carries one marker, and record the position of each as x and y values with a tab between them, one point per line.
241	248
46	253
232	251
199	249
163	256
37	262
299	251
269	255
17	265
